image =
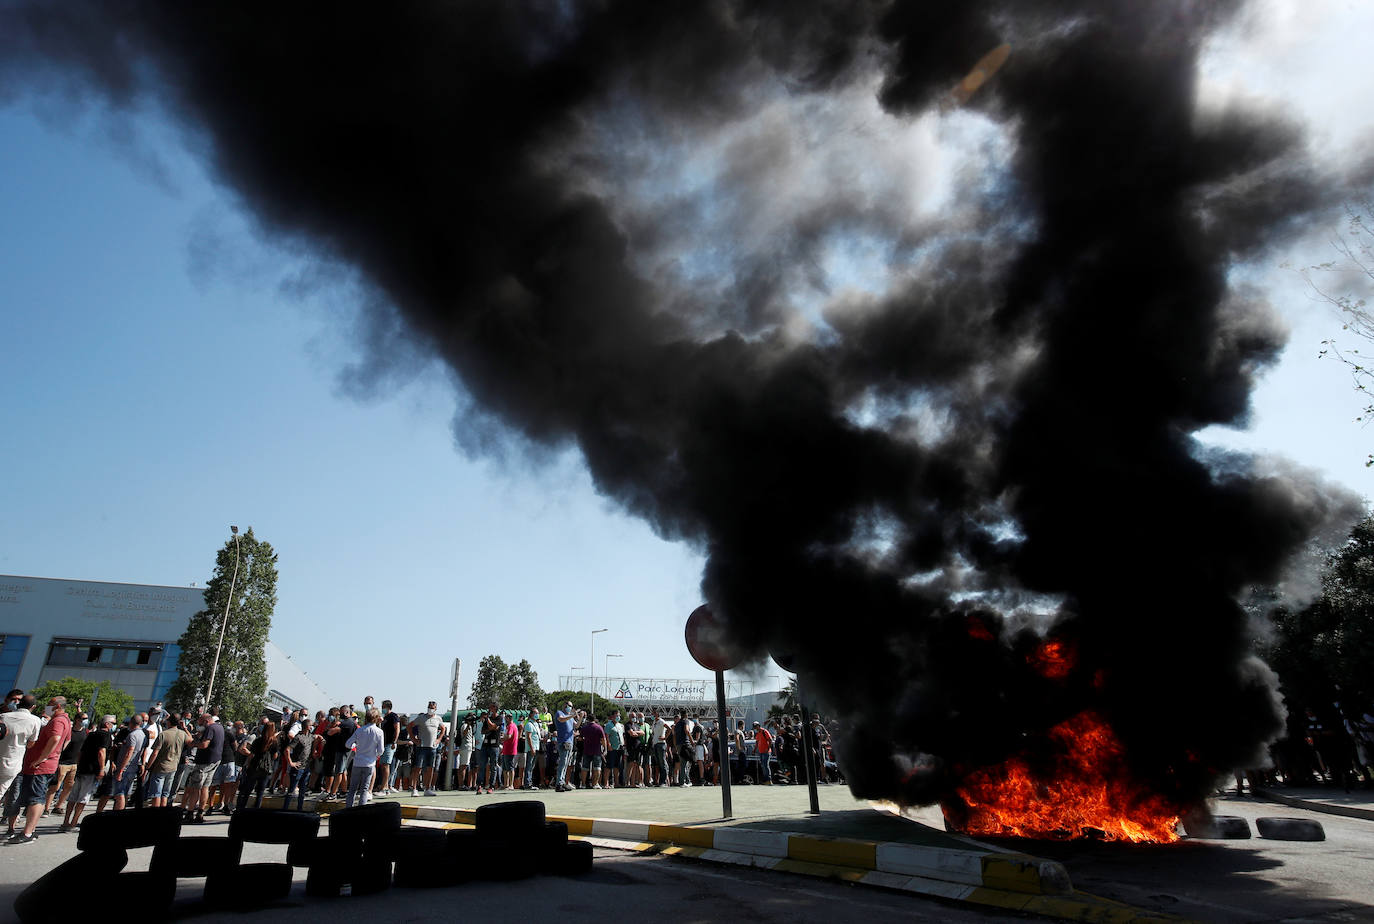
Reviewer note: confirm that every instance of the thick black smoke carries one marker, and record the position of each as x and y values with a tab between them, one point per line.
906	481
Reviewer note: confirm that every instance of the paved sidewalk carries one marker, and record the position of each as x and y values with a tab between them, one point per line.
1330	800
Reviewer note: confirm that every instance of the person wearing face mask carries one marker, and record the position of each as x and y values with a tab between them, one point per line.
40	763
12	699
430	728
22	727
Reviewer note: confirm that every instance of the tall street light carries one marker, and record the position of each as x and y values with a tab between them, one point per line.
591	666
224	624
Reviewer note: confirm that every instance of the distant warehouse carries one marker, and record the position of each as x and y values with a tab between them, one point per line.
52	628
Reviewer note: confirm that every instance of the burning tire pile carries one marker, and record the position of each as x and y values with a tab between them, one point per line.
365	851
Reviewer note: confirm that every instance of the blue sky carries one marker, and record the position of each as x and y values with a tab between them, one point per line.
161	382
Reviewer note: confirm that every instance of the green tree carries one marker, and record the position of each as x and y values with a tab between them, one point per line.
1345	284
106	698
521	689
1322	652
489	685
581	699
241	676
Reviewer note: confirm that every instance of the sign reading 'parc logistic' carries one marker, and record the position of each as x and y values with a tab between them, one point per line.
650	692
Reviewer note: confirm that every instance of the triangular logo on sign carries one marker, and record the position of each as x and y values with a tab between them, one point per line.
624	691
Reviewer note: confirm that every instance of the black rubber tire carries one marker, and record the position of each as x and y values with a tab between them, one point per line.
155	891
1290	829
324	881
190	857
577	859
1217	827
502	860
464	851
129	829
370	877
510	821
406	843
549	852
431	872
270	826
72	890
363	821
321	851
249	885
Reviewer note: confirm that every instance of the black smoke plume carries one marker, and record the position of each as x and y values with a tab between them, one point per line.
617	221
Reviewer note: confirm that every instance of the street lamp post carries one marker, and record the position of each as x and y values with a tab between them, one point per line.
224	624
591	667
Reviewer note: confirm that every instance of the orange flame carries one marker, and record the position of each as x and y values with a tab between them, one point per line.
1085	794
1053	659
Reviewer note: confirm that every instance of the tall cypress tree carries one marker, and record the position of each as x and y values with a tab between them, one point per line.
241	678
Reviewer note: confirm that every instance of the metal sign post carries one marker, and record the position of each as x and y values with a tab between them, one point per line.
452	722
707	645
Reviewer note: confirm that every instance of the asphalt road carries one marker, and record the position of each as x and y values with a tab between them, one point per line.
1254	880
621	886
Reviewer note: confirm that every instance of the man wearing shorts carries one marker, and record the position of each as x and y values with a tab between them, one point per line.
209	743
40	763
226	781
90	770
66	767
162	766
22	727
429	728
465	768
128	762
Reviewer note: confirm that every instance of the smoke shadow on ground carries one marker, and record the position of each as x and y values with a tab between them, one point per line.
1212	881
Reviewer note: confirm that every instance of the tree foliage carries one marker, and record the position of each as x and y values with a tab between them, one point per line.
241	677
510	686
581	699
487	685
1322	652
102	697
1345	284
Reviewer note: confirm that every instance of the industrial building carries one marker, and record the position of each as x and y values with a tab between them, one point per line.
52	628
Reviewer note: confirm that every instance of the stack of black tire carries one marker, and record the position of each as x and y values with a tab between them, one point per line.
512	840
83	885
355	853
243	886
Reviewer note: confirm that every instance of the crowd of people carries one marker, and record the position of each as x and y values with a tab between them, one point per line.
53	762
57	764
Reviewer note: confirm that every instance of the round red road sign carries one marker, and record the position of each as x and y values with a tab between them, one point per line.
706	641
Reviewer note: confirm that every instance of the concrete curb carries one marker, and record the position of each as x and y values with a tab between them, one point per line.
1347	811
1009	881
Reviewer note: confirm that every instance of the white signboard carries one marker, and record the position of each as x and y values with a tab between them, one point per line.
642	691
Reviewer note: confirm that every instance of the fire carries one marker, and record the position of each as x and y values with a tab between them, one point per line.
1054	659
1085	793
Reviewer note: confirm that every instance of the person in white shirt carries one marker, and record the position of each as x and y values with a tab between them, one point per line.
428	730
367	744
23	727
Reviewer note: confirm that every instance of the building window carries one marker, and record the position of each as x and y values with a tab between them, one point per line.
104	653
12	648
